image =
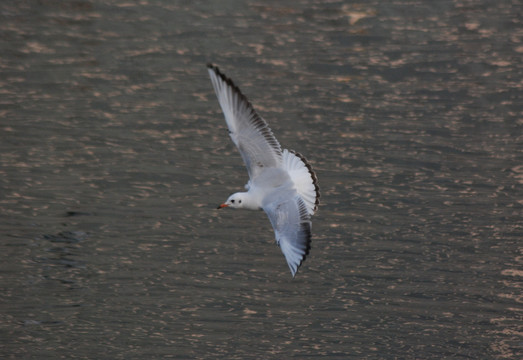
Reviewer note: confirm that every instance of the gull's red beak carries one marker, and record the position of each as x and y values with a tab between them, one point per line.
222	206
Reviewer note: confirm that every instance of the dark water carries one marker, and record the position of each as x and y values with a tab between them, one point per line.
114	154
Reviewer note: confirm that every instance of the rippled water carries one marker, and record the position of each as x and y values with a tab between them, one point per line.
114	155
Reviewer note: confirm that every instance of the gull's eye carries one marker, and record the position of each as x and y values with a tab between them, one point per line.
232	201
240	201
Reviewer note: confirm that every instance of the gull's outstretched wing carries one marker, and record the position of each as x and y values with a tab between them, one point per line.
249	132
292	226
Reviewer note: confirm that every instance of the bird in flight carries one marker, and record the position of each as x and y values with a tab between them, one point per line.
281	182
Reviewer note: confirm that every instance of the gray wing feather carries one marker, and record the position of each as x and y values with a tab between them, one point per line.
292	227
249	132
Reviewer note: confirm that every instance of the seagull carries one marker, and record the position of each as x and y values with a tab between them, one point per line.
281	182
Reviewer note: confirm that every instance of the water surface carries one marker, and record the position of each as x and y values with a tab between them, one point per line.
114	155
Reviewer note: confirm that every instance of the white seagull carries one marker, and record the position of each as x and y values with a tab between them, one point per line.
281	183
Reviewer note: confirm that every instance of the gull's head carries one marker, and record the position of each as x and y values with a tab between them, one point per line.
234	201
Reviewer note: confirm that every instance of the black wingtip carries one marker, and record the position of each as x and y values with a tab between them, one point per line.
221	75
217	71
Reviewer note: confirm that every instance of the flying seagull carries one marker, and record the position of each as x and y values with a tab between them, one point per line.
281	182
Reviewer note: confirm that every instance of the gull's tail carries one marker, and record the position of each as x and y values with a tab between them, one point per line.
304	179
